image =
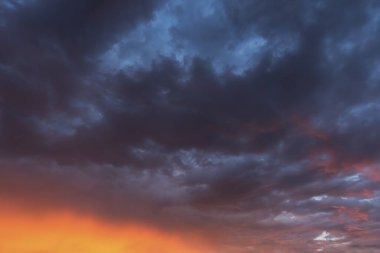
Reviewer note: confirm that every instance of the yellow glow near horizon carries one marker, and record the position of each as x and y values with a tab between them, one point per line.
68	233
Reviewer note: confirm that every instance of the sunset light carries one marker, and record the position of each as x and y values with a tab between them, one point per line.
65	232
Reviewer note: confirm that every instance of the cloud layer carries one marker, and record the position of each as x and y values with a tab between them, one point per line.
255	121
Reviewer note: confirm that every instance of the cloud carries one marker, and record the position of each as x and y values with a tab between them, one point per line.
326	236
250	120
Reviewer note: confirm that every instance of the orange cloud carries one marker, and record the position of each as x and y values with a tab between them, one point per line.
369	169
366	193
21	232
353	213
307	128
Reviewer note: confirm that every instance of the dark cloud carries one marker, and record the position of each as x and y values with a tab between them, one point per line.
81	27
237	117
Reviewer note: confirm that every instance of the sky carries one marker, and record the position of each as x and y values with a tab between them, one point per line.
203	126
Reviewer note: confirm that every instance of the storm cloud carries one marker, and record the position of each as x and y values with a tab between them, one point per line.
255	121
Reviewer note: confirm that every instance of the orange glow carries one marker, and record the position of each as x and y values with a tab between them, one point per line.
67	233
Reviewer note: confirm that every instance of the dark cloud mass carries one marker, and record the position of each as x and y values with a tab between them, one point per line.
257	121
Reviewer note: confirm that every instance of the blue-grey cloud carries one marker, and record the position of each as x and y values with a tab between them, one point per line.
253	120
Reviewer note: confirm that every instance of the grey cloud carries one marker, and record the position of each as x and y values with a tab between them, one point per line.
244	117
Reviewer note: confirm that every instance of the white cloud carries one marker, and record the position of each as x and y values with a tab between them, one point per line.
319	197
326	236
